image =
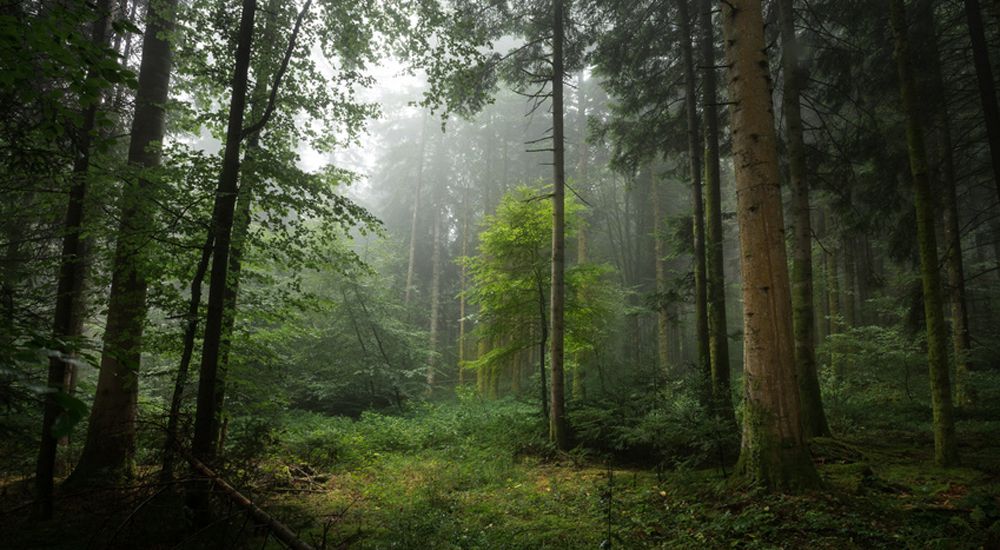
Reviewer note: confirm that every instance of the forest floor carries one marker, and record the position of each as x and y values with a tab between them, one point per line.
884	497
455	476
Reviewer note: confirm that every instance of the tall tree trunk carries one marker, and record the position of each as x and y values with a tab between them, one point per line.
849	292
960	339
557	419
240	230
813	417
945	445
774	453
660	250
833	301
110	444
241	226
226	255
463	283
578	387
987	85
863	278
411	262
716	277
822	317
704	366
543	340
206	428
69	311
432	357
237	249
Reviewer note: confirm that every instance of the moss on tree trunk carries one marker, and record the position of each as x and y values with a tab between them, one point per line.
773	454
945	446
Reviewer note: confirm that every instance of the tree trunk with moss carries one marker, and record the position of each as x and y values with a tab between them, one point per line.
849	291
774	454
960	338
946	178
945	444
833	306
660	250
813	417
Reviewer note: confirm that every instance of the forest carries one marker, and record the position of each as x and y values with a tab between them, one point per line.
499	274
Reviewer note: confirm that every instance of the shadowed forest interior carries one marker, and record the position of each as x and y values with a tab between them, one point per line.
506	274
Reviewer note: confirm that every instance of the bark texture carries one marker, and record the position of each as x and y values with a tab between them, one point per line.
803	316
946	180
774	453
659	251
110	444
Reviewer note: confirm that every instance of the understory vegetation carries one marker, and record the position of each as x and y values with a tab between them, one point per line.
474	473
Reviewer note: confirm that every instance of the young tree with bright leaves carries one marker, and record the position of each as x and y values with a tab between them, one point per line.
510	277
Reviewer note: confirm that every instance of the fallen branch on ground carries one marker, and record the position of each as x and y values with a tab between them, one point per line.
280	530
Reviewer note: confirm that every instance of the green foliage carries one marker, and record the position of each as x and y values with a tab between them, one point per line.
881	366
664	427
447	476
471	425
510	277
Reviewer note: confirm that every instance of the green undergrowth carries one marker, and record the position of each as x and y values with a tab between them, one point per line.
476	474
473	475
